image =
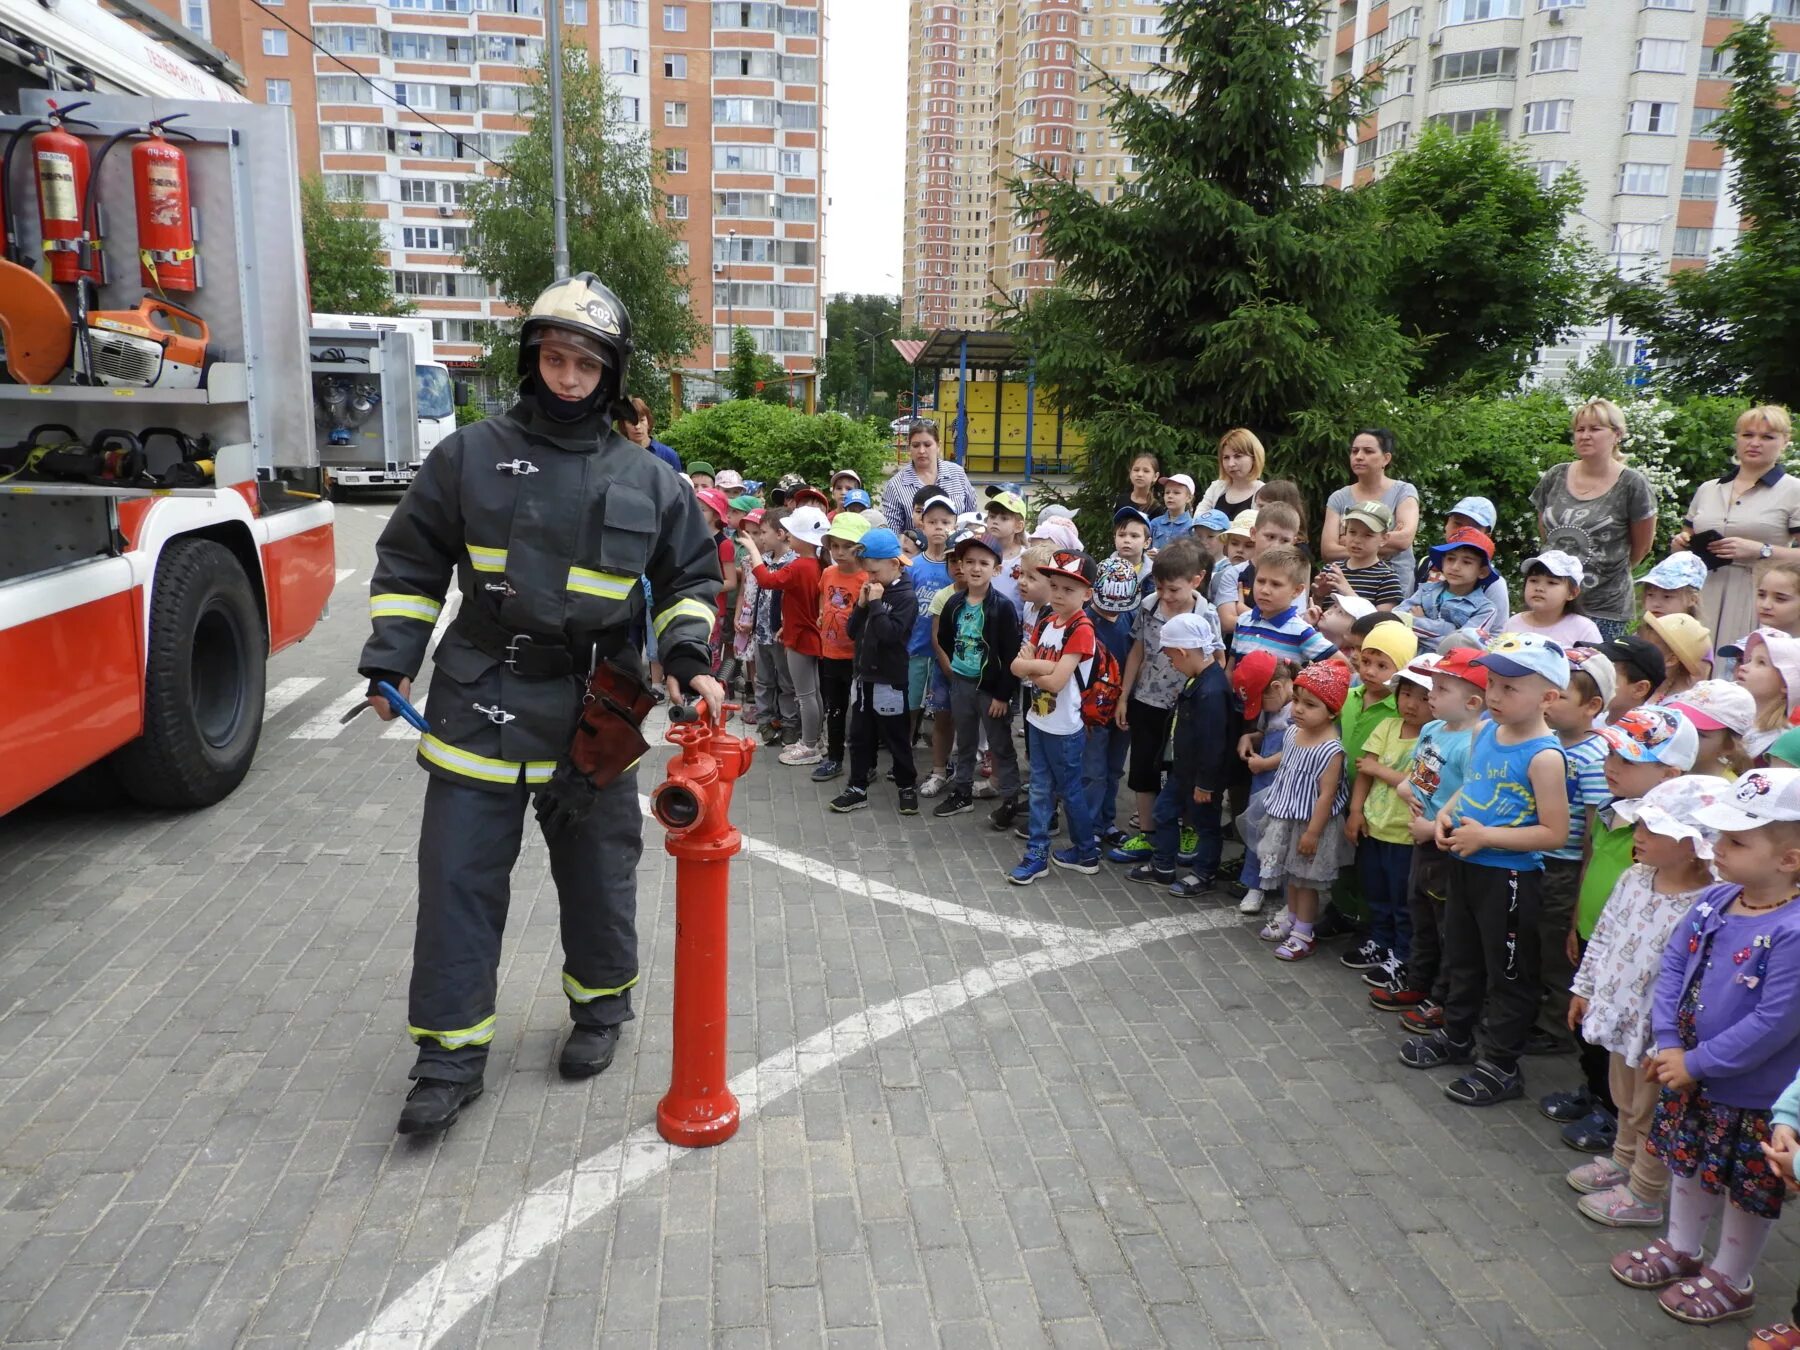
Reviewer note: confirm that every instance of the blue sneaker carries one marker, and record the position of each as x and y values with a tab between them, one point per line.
1136	849
1030	868
828	769
1076	861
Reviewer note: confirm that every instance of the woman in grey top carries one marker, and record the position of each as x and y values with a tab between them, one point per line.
1371	451
1601	511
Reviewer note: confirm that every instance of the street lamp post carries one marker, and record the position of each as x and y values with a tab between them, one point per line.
559	199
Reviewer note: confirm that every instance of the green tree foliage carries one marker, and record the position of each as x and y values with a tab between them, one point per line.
1484	268
751	374
346	269
1734	326
859	339
616	223
764	441
1225	287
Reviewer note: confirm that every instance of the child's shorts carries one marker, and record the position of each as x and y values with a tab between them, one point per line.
927	687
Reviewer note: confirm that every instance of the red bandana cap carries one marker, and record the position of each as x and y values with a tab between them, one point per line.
1327	681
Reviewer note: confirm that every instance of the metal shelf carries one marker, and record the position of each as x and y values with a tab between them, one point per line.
225	387
17	489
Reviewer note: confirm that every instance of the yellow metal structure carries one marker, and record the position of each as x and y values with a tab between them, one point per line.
997	428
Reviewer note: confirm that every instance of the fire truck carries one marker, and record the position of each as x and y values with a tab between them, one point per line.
161	527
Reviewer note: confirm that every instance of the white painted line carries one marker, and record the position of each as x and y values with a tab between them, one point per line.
325	726
288	692
425	1313
400	729
342	574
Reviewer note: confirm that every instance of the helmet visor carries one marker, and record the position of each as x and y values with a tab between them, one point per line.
555	335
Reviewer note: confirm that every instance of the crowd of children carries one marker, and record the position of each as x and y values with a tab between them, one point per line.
1545	834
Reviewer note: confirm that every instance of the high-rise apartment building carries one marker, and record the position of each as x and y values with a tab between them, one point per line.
992	85
1626	92
731	93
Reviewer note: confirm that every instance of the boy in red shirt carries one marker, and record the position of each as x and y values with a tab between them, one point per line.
798	583
839	588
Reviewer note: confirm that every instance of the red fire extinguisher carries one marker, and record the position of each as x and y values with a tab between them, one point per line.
62	171
165	217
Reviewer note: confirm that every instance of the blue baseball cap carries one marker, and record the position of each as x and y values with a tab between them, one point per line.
1125	513
856	497
1478	509
878	544
1527	654
1215	520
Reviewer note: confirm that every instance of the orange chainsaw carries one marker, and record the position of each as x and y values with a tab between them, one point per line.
157	345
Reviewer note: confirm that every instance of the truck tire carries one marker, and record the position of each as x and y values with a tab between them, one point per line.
203	694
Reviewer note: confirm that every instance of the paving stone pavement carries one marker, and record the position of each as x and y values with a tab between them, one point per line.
1089	1134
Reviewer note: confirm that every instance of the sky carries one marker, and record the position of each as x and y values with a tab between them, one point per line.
865	144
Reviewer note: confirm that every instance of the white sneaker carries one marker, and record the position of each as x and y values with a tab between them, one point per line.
984	787
935	784
800	753
1252	903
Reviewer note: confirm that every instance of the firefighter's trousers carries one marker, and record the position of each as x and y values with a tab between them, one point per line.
468	842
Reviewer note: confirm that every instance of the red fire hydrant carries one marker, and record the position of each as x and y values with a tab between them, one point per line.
694	805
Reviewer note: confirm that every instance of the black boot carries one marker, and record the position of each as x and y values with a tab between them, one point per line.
587	1051
433	1105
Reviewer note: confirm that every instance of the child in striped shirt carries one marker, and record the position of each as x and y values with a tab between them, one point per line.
1274	622
1302	835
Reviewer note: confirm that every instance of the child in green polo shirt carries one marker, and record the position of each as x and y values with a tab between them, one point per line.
1385	645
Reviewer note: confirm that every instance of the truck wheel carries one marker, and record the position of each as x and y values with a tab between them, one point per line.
203	696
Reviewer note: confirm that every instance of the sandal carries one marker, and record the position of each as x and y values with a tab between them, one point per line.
1486	1085
1294	947
1655	1266
1778	1337
1709	1298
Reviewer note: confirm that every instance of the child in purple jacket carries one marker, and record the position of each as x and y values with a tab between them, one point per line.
1726	1022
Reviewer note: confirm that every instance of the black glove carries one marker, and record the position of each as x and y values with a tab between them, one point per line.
684	666
393	677
565	801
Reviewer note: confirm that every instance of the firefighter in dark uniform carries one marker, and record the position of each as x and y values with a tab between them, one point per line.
545	519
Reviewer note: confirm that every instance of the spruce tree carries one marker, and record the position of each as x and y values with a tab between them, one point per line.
1226	286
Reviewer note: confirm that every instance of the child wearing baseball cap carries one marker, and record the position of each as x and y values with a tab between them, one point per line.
1056	658
1177	518
1302	841
1363	571
881	626
1006	522
1440	763
1611	992
1378	825
1195	788
798	583
1770	670
1725	1028
1722	712
1673	586
1512	805
1552	601
1465	561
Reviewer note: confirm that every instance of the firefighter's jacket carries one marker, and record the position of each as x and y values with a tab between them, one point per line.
550	529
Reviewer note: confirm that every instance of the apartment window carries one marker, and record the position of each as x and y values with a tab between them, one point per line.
675	66
353	136
1672	4
1715	63
1644	180
1786	9
631	108
1550	115
674	18
678	206
1460	67
1787	67
1473	11
1651	119
196	18
1637	238
1665	55
1561	4
625	11
1405	24
1692	241
1725	9
674	114
346	187
274	41
1562	53
674	161
794	164
278	91
1706	123
418	191
421	238
623	60
1548	171
1463	122
1700	185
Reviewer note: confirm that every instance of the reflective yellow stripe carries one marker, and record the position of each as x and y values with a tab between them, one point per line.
607	585
692	609
487	559
582	994
479	1034
421	607
447	756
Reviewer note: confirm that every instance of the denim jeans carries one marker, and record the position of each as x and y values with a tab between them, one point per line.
1056	776
1175	804
1250	874
1102	766
1385	871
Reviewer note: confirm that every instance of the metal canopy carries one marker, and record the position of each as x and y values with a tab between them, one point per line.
968	348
